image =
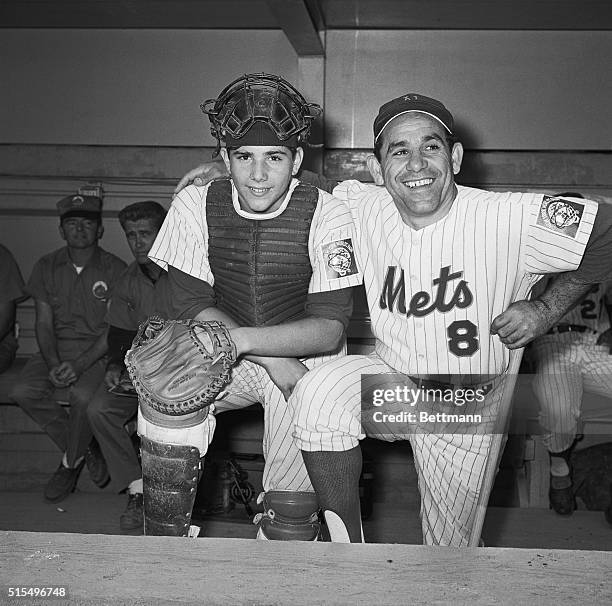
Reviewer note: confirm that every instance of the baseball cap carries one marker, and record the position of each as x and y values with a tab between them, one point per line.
77	205
412	102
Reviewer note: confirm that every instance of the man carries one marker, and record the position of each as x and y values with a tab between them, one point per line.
572	359
435	330
71	287
11	291
272	258
140	292
441	263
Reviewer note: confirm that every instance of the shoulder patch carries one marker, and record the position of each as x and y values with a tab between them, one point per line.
560	215
339	257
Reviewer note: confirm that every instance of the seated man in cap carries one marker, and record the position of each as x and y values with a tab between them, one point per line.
71	288
141	291
11	291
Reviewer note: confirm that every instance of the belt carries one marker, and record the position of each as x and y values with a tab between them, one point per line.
433	384
569	328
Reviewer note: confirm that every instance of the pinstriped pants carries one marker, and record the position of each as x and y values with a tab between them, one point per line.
450	466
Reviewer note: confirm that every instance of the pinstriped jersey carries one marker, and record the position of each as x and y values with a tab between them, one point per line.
433	292
183	239
590	312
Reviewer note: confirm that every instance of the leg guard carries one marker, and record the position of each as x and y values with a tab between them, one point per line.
288	516
170	474
171	448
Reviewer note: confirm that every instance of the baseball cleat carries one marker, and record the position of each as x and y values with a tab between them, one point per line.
561	495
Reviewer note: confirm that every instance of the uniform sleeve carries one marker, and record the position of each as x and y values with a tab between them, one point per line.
558	232
36	286
182	240
163	297
188	295
595	265
351	187
332	247
333	305
11	282
319	181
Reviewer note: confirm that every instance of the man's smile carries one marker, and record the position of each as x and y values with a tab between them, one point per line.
418	183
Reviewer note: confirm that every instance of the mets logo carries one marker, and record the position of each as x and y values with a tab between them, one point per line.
100	290
560	215
339	258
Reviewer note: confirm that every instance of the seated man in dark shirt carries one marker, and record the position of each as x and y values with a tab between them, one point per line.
71	288
141	291
11	291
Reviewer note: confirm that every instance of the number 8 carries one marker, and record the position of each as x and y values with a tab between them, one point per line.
462	338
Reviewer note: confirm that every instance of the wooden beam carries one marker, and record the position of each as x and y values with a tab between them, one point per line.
163	166
164	14
468	14
331	14
158	570
520	170
295	20
159	164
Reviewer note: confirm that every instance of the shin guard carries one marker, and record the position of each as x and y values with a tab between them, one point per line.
171	450
170	475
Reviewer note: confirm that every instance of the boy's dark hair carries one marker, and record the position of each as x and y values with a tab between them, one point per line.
292	150
143	210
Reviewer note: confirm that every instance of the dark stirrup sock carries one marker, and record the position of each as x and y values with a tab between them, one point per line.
335	478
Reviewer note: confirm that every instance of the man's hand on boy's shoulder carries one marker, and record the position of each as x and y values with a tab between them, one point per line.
203	174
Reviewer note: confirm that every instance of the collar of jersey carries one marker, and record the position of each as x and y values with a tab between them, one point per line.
64	257
432	226
263	216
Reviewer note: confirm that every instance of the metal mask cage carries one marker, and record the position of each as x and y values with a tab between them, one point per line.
260	97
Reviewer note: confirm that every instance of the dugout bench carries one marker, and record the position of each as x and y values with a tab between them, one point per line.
522	479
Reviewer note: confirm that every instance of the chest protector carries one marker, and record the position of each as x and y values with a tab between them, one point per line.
262	268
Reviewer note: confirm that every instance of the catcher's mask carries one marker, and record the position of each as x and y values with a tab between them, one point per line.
260	98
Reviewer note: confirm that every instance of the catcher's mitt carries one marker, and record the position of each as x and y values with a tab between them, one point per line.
180	366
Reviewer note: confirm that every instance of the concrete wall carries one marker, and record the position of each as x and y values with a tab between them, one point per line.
508	90
122	107
125	87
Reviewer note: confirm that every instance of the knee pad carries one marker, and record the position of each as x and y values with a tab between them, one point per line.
195	429
170	474
288	516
